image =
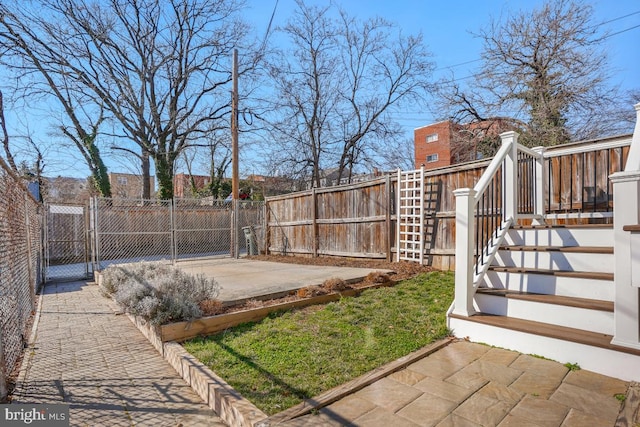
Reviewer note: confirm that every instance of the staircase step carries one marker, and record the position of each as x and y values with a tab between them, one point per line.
557	273
586	303
565	226
592	351
548	330
567	249
580	313
573	258
561	235
549	284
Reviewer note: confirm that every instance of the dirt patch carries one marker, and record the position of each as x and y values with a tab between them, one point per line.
399	271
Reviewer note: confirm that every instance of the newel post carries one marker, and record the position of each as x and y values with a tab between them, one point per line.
626	212
510	176
538	209
465	204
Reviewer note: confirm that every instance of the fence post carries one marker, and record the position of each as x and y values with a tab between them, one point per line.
96	234
538	209
3	368
234	228
388	217
398	214
465	204
172	231
267	229
314	222
510	177
27	224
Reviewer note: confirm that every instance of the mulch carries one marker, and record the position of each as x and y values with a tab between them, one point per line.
399	271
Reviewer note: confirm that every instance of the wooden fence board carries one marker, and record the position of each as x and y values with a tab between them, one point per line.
360	219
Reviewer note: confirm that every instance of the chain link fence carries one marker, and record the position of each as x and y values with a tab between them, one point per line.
20	267
130	230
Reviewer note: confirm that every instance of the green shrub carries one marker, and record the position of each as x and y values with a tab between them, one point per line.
158	292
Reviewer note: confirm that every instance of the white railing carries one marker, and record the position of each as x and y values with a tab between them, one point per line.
506	191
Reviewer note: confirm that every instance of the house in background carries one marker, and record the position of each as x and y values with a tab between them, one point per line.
432	145
127	185
447	143
66	190
182	184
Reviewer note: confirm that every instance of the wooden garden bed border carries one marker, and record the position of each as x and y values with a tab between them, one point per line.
181	331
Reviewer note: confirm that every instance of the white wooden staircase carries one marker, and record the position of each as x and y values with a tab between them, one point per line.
568	293
550	291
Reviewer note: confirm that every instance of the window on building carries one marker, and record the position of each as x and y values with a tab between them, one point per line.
432	137
432	158
122	180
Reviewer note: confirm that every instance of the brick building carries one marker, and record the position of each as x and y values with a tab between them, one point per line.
447	143
127	185
432	144
182	184
66	190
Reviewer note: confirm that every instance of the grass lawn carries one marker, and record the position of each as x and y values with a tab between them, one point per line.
293	355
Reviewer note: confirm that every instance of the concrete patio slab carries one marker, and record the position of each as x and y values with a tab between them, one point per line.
244	278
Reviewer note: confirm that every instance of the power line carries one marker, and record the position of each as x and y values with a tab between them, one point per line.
619	32
597	40
458	65
617	19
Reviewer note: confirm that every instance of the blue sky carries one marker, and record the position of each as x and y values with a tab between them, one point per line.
447	27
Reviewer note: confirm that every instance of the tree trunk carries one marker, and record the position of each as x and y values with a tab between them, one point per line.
164	174
98	168
146	175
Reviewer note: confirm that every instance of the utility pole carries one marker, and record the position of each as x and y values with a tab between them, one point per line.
234	128
235	250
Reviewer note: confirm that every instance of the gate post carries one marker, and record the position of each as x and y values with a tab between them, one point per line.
172	231
27	223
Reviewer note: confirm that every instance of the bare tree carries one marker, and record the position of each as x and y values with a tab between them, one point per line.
27	53
215	157
546	71
336	86
160	69
5	136
395	154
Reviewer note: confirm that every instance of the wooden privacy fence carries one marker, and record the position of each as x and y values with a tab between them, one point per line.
349	220
577	177
360	220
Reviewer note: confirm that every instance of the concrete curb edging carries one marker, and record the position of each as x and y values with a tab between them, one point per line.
218	394
228	404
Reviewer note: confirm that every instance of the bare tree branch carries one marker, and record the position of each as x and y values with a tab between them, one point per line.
336	87
546	69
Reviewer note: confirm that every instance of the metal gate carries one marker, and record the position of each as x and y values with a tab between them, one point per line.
66	243
130	230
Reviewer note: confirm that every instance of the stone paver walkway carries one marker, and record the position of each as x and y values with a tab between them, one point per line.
471	385
86	355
